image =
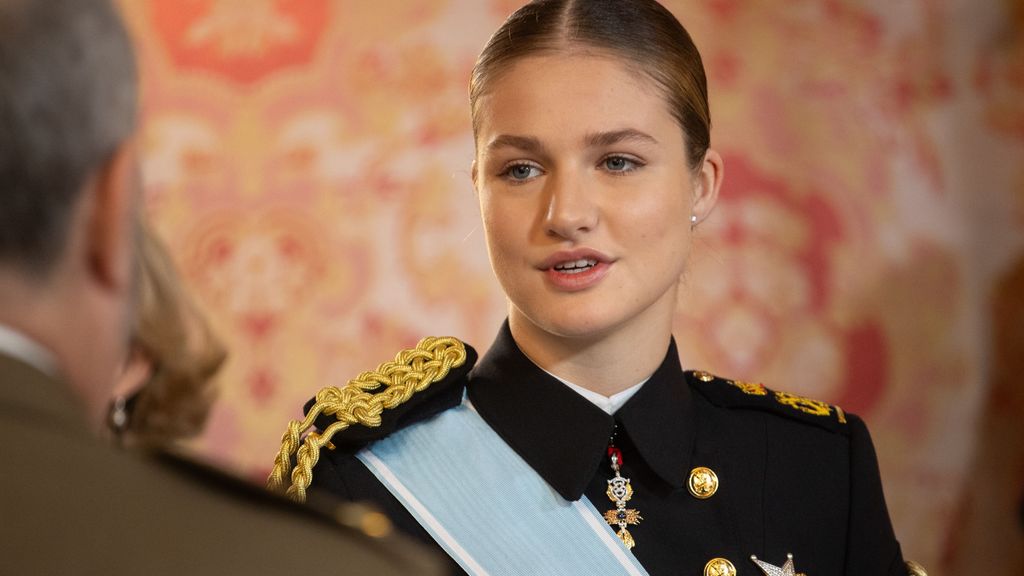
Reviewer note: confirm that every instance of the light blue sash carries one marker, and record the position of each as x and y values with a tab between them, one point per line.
486	507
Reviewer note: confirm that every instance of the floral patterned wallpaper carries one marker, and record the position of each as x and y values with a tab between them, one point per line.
308	163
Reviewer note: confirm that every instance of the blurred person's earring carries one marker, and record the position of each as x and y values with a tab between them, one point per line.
693	221
117	416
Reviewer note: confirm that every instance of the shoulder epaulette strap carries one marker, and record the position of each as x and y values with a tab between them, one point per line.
367	401
915	569
741	394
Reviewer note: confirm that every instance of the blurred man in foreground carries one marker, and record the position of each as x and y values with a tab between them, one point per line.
69	194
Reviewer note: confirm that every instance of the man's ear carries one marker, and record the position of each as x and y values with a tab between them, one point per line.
709	182
111	226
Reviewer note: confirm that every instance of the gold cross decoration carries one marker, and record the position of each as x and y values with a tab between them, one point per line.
620	491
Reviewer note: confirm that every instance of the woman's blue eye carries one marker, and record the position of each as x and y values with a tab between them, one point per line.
522	171
619	164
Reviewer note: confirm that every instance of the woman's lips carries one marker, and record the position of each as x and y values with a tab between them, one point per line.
576	279
576	270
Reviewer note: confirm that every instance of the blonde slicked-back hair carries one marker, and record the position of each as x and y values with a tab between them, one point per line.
641	32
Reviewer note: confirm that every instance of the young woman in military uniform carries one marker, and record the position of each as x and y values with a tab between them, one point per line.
593	169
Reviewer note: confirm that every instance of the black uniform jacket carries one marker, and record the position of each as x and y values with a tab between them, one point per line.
795	476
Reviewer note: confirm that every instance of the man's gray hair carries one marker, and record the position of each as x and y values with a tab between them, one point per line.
68	99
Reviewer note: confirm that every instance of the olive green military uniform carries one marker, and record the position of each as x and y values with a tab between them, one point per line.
70	504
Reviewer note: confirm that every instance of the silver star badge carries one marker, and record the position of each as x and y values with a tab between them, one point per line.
787	569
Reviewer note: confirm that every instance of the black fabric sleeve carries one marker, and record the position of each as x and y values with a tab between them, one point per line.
871	548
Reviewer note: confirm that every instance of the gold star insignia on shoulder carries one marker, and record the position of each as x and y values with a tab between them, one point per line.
786	569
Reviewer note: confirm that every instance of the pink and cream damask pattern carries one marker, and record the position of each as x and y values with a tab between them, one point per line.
308	162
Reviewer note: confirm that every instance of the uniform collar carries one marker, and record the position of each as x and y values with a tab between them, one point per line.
35	397
16	344
563	436
610	404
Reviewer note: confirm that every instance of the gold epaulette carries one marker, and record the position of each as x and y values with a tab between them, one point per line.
915	569
737	393
361	401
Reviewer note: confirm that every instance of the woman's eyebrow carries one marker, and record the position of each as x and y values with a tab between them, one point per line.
601	139
524	143
596	139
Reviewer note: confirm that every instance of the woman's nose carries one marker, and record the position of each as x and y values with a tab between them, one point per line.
571	207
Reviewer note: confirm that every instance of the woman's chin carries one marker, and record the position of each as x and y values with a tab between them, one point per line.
568	324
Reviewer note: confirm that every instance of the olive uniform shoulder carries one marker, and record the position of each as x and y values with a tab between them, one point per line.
326	511
740	394
420	382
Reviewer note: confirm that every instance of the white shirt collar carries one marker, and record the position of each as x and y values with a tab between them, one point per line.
609	404
16	344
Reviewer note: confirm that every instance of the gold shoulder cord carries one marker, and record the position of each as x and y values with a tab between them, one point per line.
915	569
411	371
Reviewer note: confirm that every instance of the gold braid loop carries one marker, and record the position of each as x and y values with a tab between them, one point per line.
412	371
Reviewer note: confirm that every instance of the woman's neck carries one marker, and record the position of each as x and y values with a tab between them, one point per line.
605	363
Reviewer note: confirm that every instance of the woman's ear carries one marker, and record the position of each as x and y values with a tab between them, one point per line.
709	181
474	175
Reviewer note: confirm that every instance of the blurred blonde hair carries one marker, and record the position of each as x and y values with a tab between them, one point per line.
174	336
